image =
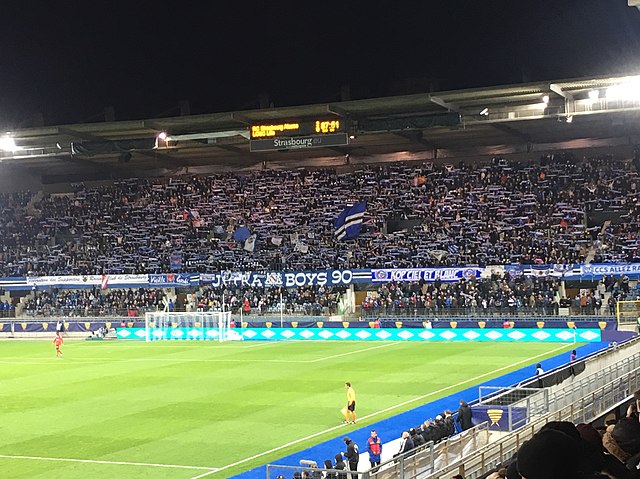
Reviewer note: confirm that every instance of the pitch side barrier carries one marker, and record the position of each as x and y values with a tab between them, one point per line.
513	407
580	401
484	460
617	380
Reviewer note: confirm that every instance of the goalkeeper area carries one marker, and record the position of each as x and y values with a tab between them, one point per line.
216	326
196	409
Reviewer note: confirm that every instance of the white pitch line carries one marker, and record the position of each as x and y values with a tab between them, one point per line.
97	360
324	358
118	463
102	360
203	475
390	408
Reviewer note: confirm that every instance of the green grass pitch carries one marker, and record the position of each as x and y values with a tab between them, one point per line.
128	408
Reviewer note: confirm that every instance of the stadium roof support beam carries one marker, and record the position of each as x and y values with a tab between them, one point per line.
440	102
337	110
557	89
166	160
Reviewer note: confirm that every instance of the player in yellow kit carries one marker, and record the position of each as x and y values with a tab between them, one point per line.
349	411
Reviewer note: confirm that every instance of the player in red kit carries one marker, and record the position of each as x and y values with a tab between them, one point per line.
58	342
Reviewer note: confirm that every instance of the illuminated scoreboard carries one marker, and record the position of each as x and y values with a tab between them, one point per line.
298	134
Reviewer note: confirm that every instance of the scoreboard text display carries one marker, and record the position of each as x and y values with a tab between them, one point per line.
286	135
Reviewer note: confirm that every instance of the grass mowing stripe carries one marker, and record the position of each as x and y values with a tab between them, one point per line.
118	463
390	408
179	404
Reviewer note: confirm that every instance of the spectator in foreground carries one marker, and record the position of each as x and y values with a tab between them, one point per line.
552	454
623	441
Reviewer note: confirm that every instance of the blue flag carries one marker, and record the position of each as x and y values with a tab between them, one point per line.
349	222
241	234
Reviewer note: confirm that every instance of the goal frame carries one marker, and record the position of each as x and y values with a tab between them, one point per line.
200	322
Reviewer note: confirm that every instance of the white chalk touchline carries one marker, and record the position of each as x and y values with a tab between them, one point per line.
324	358
119	463
390	408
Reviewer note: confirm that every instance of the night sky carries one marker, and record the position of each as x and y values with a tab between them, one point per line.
68	60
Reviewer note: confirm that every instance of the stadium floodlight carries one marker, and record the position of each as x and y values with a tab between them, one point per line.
162	135
485	112
627	90
7	143
594	95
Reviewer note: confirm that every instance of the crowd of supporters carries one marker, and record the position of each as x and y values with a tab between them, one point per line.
506	295
489	296
95	302
563	450
498	295
418	214
307	300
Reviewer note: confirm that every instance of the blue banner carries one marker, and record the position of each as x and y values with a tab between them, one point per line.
173	280
425	274
292	279
500	418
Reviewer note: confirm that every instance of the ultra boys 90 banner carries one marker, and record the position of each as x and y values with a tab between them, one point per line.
335	277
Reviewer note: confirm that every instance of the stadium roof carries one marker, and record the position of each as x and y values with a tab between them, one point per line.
450	125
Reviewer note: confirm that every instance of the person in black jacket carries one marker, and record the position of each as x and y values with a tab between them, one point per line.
406	443
340	466
427	431
352	454
464	415
416	437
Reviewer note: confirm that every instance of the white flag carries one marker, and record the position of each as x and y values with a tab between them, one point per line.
250	243
302	248
276	240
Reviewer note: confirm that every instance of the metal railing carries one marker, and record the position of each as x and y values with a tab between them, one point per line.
467	453
475	312
585	409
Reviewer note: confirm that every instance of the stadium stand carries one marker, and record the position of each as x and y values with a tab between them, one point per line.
95	302
499	213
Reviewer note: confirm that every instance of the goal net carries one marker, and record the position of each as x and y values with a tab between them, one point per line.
216	326
628	312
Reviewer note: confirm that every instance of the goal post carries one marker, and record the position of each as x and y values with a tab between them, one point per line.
214	325
628	313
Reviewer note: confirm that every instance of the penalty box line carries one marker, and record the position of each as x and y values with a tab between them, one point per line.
374	414
117	463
